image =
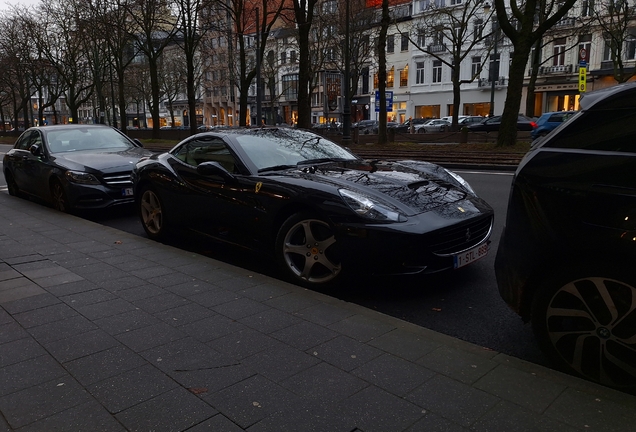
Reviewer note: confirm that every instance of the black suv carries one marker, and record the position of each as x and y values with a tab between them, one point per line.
566	254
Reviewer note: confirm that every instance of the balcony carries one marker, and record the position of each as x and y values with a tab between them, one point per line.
437	48
485	83
554	70
565	22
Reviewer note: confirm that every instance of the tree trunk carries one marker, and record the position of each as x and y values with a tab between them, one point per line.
154	89
123	125
508	129
304	77
384	27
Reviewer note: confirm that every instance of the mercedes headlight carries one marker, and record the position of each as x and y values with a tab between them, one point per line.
369	208
81	177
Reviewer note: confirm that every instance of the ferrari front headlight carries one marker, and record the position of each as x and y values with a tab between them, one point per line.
369	208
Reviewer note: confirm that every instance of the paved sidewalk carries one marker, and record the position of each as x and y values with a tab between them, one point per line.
104	331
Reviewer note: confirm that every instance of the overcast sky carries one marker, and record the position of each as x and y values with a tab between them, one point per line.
5	4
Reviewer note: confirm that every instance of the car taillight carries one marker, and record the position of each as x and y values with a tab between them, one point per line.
534	125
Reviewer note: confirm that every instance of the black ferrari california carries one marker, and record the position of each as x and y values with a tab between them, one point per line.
73	166
318	208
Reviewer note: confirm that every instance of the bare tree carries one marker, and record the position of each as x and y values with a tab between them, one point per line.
519	23
361	34
172	78
154	29
617	21
451	34
65	45
304	15
243	16
189	36
18	52
384	28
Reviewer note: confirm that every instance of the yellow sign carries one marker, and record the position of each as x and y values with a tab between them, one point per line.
582	79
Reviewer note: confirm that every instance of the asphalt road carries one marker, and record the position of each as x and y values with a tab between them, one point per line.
463	303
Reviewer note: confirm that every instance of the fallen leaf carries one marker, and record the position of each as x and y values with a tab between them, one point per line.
437	309
118	242
198	390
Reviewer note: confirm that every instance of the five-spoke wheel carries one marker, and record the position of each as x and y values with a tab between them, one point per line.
306	250
152	214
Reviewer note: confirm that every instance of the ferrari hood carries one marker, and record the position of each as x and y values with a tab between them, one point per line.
413	185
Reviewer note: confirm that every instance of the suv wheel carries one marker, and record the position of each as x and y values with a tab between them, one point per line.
585	321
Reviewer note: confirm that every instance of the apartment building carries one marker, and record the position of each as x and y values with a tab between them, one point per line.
420	49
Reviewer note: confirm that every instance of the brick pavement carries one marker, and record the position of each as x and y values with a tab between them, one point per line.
105	331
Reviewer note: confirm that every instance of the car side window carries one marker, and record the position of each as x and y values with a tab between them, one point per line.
605	130
207	149
36	139
24	142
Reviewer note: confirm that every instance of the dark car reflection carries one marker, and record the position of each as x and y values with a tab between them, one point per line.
318	209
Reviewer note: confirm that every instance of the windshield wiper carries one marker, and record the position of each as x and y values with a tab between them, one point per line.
277	168
321	160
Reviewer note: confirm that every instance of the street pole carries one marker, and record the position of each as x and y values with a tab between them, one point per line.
346	110
494	69
259	110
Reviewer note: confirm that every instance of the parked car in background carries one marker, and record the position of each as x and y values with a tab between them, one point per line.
366	127
406	126
315	207
491	124
433	125
550	121
73	166
566	257
468	120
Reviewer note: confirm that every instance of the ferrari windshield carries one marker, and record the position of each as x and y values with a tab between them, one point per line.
269	148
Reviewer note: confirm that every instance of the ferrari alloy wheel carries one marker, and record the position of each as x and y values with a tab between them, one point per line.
588	325
151	212
305	249
59	198
12	186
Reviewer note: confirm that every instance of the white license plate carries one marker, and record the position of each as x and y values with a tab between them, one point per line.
471	255
127	192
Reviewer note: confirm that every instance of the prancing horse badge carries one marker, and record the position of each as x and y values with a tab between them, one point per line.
258	187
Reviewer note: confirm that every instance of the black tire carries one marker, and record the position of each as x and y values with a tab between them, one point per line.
152	213
585	321
12	186
421	130
306	251
59	199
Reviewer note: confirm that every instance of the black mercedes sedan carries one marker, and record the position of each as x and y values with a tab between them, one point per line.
314	206
74	166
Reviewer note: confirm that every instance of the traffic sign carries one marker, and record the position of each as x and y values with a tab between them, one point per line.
582	79
389	101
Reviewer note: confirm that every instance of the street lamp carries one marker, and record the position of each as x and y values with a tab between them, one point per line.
494	65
